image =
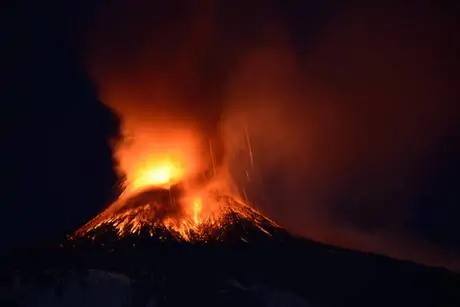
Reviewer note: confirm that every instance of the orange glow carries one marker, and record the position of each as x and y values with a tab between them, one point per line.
161	173
197	205
196	225
201	212
157	153
157	157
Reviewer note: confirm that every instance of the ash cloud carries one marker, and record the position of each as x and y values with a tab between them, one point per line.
341	111
341	134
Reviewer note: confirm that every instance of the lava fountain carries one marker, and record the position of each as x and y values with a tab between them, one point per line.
171	193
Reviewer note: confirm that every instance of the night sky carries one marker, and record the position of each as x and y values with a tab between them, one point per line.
363	151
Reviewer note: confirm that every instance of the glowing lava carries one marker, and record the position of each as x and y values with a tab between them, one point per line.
161	173
149	214
152	157
164	204
196	210
167	194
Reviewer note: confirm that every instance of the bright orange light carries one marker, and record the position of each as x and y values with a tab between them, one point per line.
197	205
157	157
158	173
159	151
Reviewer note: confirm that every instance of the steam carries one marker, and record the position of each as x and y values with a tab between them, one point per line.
335	132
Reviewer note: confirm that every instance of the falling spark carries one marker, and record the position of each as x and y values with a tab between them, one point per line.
245	195
246	172
248	143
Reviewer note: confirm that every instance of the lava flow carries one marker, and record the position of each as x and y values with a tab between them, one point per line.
164	201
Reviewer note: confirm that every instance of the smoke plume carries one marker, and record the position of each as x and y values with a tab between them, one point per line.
324	130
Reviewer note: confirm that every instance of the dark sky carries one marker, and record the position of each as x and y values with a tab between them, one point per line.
353	109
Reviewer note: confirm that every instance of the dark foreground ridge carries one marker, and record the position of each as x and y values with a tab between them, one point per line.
322	274
246	247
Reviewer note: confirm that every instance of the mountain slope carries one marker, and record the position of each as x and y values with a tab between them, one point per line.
235	244
155	215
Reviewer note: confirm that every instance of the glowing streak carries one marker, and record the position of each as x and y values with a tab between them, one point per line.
248	142
197	205
245	195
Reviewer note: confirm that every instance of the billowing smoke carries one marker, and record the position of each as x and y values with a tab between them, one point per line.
339	133
323	129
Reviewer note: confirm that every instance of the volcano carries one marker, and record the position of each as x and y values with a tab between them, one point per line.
158	215
175	246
